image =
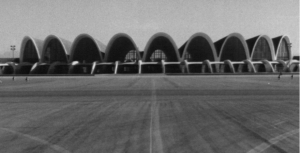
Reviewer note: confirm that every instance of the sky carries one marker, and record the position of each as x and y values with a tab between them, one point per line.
141	19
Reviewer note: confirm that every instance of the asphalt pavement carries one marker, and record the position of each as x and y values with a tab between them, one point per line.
150	114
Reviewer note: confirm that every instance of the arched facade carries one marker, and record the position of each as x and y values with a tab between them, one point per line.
31	49
87	55
86	49
164	42
261	48
55	50
233	47
282	48
199	47
119	46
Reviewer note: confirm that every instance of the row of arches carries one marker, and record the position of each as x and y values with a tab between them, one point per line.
88	54
198	47
87	49
245	66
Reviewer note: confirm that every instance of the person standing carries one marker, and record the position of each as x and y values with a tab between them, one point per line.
279	75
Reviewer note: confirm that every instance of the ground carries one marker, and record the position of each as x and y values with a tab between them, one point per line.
150	113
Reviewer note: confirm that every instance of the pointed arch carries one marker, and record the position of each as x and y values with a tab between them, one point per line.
199	47
282	48
233	47
55	49
31	49
261	48
86	49
164	42
118	47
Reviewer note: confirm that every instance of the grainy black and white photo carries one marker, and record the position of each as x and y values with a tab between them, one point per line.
159	76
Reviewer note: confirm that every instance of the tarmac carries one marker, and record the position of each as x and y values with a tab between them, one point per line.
150	114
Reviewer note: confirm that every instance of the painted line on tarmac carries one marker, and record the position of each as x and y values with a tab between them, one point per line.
52	146
154	122
262	147
153	100
151	115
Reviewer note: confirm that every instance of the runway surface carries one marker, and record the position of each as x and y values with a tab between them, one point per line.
150	114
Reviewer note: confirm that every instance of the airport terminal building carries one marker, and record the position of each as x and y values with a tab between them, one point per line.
199	54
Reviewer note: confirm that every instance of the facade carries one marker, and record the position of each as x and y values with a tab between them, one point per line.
199	54
121	49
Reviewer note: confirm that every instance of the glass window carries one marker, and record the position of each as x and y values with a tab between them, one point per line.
131	56
157	56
